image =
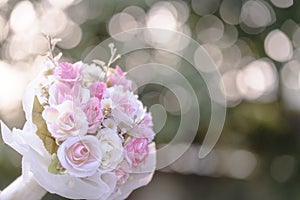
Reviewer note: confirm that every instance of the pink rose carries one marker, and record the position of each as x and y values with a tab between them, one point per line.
65	120
80	156
119	78
68	73
98	89
137	151
94	115
59	93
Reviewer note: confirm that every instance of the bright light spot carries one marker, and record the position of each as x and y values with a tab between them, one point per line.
231	57
214	52
257	17
180	39
209	29
162	17
278	46
241	164
137	12
119	23
283	167
11	80
230	11
290	75
230	88
183	11
250	30
205	7
71	36
169	99
53	22
4	28
257	79
203	57
256	14
79	14
229	37
3	3
166	58
22	17
18	47
283	3
61	4
38	45
170	102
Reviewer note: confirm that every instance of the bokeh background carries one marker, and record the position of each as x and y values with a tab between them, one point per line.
254	43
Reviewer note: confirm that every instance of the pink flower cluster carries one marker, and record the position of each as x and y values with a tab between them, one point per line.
97	121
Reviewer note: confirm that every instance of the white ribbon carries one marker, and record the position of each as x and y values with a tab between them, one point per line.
23	189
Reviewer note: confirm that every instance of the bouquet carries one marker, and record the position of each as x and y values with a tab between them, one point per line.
86	136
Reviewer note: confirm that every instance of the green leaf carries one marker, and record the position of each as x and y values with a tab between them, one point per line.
53	167
42	130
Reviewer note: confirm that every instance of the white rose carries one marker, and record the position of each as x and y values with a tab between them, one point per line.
112	149
80	156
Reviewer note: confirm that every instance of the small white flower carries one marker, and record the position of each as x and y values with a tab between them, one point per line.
110	124
106	103
92	73
48	64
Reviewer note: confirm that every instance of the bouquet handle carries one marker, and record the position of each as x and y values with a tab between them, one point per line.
23	189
